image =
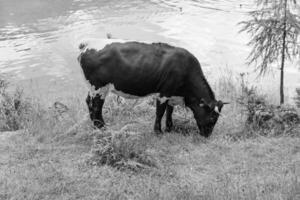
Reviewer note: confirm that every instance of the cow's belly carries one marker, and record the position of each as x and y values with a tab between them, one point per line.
110	88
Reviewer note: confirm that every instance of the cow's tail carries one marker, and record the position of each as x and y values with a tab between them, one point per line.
82	46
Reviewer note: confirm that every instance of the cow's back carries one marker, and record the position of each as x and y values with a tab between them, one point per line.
137	68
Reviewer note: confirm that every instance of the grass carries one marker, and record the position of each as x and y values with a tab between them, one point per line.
45	160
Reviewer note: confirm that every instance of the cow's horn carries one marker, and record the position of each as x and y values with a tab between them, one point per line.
217	109
225	103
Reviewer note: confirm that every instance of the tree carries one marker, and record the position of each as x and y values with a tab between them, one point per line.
274	29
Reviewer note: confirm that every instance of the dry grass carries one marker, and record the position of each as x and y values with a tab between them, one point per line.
46	161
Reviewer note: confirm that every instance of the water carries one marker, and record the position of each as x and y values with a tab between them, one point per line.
39	38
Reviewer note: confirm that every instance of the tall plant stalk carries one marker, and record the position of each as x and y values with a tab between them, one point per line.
283	55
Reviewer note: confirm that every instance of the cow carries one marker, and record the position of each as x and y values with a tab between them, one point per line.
136	69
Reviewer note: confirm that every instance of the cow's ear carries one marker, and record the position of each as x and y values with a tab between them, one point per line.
202	103
220	105
205	106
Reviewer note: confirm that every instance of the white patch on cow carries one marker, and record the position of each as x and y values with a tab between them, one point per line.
97	44
103	91
162	99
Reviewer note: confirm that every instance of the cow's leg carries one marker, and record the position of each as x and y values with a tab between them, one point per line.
160	110
95	105
169	122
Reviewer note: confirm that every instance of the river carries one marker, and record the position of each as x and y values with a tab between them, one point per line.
39	38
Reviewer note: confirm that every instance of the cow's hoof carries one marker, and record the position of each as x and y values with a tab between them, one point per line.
168	129
158	132
98	124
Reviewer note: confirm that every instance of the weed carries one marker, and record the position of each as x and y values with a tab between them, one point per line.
121	149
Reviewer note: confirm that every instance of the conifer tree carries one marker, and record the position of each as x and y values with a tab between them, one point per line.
274	28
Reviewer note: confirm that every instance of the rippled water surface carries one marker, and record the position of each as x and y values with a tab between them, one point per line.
39	38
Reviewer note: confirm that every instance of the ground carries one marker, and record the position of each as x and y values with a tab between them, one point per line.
48	161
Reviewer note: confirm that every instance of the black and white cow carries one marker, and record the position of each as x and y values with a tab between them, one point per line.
134	69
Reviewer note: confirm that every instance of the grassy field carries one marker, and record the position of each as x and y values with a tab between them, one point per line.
47	160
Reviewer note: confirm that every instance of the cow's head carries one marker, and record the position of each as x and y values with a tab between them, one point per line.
206	115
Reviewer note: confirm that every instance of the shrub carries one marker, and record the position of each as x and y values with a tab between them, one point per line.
14	108
264	118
